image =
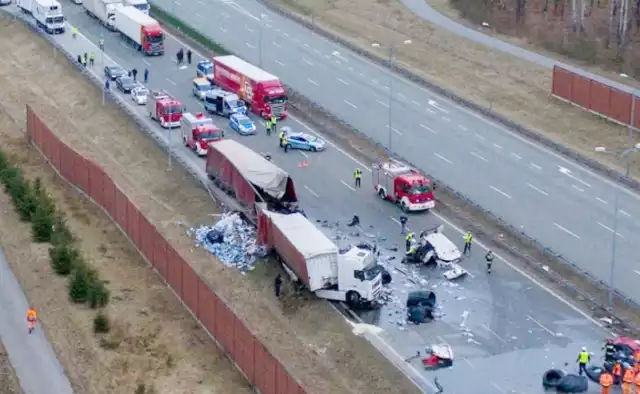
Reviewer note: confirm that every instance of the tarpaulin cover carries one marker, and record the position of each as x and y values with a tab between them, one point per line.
304	235
255	168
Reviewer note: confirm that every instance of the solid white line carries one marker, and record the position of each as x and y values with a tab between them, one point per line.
462	127
469	363
637	272
249	45
347	185
428	129
303	154
498	337
446	119
537	167
342	81
382	103
500	191
516	156
498	146
537	323
249	29
479	157
375	81
443	158
280	63
624	213
479	136
146	62
610	230
312	82
395	130
565	230
602	201
306	45
285	34
429	110
401	96
577	188
537	189
351	104
308	62
170	81
275	44
311	191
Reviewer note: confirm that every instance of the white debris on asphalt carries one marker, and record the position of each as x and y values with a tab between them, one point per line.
232	240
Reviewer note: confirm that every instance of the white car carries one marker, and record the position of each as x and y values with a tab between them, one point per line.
139	95
5	2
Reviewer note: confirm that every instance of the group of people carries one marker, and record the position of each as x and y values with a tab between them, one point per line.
87	59
180	56
624	372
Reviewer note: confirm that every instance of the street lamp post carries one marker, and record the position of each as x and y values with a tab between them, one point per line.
263	17
625	155
390	104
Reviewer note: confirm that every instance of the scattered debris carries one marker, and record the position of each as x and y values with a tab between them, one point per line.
455	272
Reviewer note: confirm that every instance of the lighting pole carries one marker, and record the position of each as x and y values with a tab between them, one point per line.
390	105
625	155
263	18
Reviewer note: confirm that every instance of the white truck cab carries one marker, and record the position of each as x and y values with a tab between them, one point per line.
48	15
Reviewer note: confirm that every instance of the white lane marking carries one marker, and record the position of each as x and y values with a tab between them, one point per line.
351	104
146	62
311	81
500	389
437	106
498	146
602	201
461	127
382	103
538	189
479	157
566	231
200	2
303	154
311	191
516	156
568	173
275	44
177	2
222	14
469	363
428	129
395	130
347	185
249	45
577	188
306	45
498	337
414	102
279	63
362	74
285	34
624	213
401	96
171	82
479	136
534	165
222	29
429	110
610	230
439	156
199	16
342	81
307	61
637	272
537	323
249	29
446	119
500	191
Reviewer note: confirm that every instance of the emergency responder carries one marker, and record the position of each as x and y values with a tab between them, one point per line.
32	317
408	240
92	58
357	177
489	258
278	285
636	357
285	143
79	59
267	126
84	60
281	137
101	44
146	75
609	350
74	32
134	73
106	84
627	380
274	121
403	224
582	360
467	243
606	381
636	382
189	56
617	372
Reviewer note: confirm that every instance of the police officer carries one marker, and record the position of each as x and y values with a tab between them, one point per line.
281	137
277	285
408	240
84	60
583	359
403	224
146	75
357	175
92	58
267	126
467	243
134	73
489	258
274	121
101	43
189	56
285	142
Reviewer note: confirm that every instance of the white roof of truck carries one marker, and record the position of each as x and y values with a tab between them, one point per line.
135	14
255	168
303	234
249	70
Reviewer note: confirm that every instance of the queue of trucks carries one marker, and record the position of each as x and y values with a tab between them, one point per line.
47	13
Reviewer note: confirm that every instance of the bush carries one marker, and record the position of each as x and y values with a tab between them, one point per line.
4	162
61	233
26	206
64	257
98	294
14	183
101	324
79	284
42	223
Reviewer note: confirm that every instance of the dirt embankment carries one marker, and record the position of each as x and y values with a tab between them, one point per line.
8	380
313	341
515	89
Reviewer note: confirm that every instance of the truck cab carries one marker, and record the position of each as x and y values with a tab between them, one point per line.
164	109
198	131
224	103
48	15
403	185
273	100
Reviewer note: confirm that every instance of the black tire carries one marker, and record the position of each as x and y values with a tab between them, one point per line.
386	277
422	298
353	299
404	207
382	194
552	378
313	149
594	372
572	383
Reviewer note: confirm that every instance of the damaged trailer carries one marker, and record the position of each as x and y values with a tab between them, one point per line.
250	178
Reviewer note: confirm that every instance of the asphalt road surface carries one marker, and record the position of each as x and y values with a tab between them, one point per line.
31	355
512	320
565	206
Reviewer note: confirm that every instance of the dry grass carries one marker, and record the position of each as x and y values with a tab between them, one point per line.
516	89
309	337
8	380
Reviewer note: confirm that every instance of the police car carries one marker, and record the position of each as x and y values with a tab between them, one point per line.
242	124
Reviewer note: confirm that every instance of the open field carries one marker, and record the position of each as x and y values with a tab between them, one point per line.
8	381
330	359
515	89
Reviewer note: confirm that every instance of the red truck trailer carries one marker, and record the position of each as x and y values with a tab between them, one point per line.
262	92
248	176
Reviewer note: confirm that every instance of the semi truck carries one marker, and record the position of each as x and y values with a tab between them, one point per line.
103	10
47	13
310	258
262	92
140	5
198	131
409	188
164	109
139	30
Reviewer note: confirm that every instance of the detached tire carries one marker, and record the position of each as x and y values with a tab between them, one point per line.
594	372
552	378
572	383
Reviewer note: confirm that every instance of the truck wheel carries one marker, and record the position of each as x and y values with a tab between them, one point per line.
382	194
185	142
313	149
405	207
353	299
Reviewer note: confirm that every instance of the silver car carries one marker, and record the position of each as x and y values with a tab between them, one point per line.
5	2
139	95
200	87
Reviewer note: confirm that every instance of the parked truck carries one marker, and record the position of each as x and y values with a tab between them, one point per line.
103	10
164	109
140	5
309	257
262	92
198	131
139	30
47	13
403	185
25	5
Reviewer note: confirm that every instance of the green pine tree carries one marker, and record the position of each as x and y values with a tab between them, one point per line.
42	223
79	284
64	257
61	232
4	162
98	294
28	204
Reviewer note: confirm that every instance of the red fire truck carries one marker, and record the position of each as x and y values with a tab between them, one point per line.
165	109
198	131
262	92
403	185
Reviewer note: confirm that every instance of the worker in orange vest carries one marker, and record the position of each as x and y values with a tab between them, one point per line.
32	317
606	381
627	380
636	356
636	383
617	372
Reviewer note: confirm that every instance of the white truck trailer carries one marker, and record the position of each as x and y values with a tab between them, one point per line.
25	5
48	15
140	5
141	31
102	10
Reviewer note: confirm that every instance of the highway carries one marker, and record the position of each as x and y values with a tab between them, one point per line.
512	319
562	204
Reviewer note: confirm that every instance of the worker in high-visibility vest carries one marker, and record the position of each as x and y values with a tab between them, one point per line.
583	360
408	240
268	126
627	380
606	381
467	243
32	318
357	177
636	382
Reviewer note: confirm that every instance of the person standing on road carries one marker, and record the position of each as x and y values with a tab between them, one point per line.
106	84
146	75
582	360
636	382
278	285
489	258
134	72
281	136
627	380
357	177
606	381
403	224
267	126
101	44
609	350
92	58
189	56
408	240
84	60
32	317
468	238
285	143
74	32
274	121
